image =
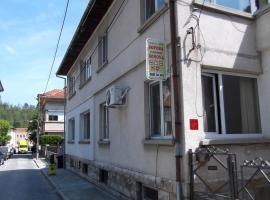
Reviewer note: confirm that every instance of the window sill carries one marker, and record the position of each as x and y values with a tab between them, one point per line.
101	67
85	82
71	95
104	142
71	142
161	141
222	9
231	141
84	142
153	18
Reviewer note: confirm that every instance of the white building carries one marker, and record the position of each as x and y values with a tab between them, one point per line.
52	112
222	60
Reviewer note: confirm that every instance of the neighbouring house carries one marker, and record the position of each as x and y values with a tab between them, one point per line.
13	141
123	130
19	134
51	105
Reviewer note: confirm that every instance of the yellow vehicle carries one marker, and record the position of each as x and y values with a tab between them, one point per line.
23	146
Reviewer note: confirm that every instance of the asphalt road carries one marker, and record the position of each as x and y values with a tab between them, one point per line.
20	179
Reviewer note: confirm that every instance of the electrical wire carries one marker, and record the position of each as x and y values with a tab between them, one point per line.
57	46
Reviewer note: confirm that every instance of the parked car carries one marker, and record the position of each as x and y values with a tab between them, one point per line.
2	158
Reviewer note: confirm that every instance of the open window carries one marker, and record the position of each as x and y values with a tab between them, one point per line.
231	104
160	109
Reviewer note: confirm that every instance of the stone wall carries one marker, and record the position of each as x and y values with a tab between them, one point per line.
124	183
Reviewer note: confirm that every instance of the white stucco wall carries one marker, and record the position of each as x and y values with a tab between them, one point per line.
126	67
85	151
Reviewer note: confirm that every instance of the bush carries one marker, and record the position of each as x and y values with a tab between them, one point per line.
51	139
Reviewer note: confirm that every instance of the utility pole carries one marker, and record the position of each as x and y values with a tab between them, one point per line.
38	129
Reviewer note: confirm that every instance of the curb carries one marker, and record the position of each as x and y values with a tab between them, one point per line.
59	192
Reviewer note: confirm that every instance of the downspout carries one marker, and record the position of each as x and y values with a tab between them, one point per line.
64	146
177	91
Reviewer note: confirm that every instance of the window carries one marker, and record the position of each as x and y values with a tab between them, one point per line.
242	5
149	193
85	125
160	109
103	176
85	71
85	168
71	85
230	104
151	6
71	129
104	122
53	117
102	50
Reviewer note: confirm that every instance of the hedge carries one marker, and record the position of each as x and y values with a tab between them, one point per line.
51	139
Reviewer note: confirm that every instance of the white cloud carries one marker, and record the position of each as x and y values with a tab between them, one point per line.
10	50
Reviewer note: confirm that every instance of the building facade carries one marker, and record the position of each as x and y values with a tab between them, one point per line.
127	142
51	106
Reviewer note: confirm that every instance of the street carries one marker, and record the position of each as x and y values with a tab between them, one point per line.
21	179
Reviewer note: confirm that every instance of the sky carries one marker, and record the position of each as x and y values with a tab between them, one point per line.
29	31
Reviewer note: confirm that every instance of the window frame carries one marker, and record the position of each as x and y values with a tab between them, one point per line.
104	115
71	85
85	71
102	50
145	18
162	119
85	136
71	135
214	2
223	133
52	120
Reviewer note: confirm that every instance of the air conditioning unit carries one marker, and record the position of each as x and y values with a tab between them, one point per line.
114	96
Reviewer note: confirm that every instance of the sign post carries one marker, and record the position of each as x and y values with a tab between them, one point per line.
155	59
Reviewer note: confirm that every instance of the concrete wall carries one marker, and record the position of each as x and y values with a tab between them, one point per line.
126	67
228	45
85	150
263	46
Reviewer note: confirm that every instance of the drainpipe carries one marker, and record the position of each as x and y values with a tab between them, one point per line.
64	145
177	91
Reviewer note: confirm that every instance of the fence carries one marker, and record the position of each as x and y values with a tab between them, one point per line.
214	175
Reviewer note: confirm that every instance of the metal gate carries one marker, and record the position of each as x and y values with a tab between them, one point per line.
218	164
255	180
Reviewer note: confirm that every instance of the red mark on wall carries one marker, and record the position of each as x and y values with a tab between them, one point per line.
194	124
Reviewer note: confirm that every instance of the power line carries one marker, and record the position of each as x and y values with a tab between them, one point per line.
57	45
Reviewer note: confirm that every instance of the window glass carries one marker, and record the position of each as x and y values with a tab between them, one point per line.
103	50
160	3
86	125
241	104
149	8
209	103
242	5
104	127
53	117
155	109
71	129
166	89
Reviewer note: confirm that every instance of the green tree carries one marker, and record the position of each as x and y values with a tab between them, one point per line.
32	127
4	128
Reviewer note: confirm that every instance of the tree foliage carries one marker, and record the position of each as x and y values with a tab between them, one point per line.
51	139
17	115
4	128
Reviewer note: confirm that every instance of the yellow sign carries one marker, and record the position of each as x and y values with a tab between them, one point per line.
52	169
155	59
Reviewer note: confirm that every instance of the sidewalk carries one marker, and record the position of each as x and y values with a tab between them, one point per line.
71	186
